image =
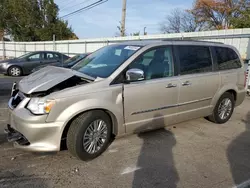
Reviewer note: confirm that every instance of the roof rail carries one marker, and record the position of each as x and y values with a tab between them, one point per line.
194	40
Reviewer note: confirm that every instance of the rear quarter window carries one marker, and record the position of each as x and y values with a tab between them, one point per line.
227	58
57	56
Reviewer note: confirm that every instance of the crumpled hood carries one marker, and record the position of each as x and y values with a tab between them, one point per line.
46	78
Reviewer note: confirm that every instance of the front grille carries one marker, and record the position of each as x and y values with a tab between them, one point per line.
17	99
15	136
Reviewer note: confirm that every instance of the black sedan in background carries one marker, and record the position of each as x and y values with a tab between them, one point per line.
67	64
24	64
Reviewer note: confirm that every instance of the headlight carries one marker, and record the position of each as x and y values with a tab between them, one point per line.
4	64
40	105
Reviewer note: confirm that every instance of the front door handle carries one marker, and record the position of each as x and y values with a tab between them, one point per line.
170	85
186	83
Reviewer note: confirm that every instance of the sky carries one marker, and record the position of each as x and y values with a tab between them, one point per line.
102	20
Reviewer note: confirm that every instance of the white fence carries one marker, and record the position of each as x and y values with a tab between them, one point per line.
236	37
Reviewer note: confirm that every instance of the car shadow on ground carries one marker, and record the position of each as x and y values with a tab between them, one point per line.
238	153
156	166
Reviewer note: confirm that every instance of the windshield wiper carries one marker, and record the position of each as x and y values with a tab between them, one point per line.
85	76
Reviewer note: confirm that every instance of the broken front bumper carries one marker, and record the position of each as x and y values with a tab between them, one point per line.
31	132
15	136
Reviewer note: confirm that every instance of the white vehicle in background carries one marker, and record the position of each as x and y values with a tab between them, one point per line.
247	64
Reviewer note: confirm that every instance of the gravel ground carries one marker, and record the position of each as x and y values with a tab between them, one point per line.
195	154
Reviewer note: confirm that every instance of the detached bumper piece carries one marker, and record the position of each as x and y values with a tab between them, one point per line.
15	136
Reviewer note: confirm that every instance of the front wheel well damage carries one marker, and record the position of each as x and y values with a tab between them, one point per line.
112	117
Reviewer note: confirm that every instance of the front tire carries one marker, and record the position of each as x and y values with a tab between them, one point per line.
223	109
15	71
89	135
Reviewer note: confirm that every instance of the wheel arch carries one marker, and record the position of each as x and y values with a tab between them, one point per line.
14	66
113	119
230	89
233	92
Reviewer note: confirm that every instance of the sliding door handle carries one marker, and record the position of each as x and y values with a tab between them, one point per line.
170	85
186	83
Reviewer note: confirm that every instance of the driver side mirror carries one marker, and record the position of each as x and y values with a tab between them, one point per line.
134	75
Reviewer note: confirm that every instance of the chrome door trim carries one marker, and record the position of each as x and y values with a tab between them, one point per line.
155	109
194	101
170	106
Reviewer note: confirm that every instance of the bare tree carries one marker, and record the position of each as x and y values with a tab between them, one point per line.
172	22
189	23
179	21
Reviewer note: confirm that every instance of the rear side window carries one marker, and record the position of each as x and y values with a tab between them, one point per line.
227	58
194	59
49	56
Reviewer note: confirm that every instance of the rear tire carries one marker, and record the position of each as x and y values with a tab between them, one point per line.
15	71
86	140
223	110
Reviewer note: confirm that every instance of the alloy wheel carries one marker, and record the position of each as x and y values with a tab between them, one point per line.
225	108
15	71
95	136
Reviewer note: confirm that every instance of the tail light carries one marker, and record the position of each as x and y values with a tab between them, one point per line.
246	78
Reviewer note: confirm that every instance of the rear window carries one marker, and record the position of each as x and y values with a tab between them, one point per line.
227	58
194	59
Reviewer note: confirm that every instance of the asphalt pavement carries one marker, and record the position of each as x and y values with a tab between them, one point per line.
5	90
195	154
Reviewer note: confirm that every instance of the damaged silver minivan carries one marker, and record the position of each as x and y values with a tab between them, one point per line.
121	89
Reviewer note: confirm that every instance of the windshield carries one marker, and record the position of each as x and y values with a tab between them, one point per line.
75	58
103	62
24	56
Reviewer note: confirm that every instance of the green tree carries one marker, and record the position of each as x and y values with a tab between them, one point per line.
220	14
52	24
243	21
2	17
33	20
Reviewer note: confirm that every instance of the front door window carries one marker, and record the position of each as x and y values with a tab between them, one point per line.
34	57
156	63
152	103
